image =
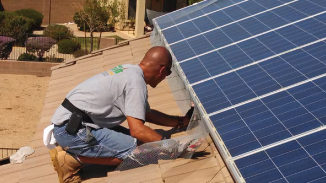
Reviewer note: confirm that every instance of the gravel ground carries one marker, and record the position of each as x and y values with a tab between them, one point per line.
21	103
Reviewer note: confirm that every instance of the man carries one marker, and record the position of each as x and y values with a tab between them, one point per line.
103	102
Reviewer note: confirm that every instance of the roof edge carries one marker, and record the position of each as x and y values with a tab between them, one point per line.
98	52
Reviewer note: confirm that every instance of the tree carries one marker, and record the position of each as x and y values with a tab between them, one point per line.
94	13
190	2
117	10
15	26
1	7
39	45
6	44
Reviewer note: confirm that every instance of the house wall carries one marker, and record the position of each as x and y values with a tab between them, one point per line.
62	11
26	68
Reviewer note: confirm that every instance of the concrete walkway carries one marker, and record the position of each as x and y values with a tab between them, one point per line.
77	33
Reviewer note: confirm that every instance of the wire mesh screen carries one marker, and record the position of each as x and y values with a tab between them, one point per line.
169	149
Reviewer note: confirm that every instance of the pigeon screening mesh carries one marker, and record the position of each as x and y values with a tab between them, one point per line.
169	149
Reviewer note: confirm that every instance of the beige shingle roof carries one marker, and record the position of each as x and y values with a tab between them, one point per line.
206	166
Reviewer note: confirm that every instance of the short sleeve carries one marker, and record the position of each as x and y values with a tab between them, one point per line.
136	104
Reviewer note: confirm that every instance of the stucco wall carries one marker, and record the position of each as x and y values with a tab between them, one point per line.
62	11
26	68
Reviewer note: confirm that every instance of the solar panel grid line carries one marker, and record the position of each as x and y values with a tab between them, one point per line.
296	26
310	158
167	17
205	14
263	148
256	62
236	21
254	36
266	95
221	146
242	111
274	116
218	27
308	52
288	92
187	85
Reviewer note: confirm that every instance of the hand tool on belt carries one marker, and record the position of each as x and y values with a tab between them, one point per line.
75	122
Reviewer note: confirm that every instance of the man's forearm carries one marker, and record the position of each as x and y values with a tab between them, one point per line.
141	132
162	119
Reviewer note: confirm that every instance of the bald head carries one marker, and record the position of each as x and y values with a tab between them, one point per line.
156	65
157	55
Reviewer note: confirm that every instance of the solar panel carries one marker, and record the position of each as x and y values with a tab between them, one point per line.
256	70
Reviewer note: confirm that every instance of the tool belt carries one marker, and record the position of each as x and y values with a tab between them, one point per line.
74	124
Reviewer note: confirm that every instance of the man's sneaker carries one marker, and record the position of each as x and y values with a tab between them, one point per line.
66	166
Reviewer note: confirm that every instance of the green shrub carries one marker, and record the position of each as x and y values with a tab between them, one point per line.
68	46
6	44
15	26
80	53
80	23
83	26
39	45
53	58
58	32
27	57
36	16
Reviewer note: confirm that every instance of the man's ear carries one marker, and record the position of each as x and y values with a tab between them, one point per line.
161	70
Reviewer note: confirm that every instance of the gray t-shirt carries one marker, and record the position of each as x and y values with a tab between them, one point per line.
107	98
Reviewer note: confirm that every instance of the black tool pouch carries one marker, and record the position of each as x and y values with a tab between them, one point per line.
74	123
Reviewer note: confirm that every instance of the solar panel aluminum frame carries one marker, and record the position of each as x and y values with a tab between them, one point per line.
212	130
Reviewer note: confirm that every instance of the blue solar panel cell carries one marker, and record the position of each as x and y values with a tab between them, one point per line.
220	18
275	42
235	56
272	119
288	13
200	44
210	8
318	2
239	59
271	20
296	161
317	51
251	7
236	13
195	14
253	26
217	38
269	4
225	3
321	18
255	49
296	35
307	7
286	1
321	83
182	51
178	16
235	32
172	35
214	63
204	24
164	21
188	29
313	27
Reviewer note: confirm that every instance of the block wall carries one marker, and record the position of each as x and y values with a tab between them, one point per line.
61	11
26	68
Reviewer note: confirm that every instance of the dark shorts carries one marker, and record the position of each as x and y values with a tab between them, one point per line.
115	142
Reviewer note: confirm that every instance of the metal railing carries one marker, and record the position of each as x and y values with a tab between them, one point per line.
6	152
52	54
